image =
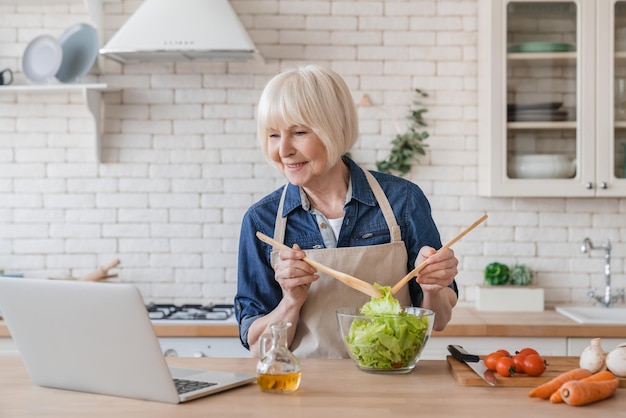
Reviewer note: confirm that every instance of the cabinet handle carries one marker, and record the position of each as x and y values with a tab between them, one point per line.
170	352
589	185
604	185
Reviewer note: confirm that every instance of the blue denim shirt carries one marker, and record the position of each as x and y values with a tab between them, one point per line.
257	291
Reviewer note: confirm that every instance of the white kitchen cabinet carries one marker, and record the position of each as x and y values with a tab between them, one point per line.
436	348
548	70
7	346
575	346
181	346
203	347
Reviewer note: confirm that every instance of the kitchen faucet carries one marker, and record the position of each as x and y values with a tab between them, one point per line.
609	297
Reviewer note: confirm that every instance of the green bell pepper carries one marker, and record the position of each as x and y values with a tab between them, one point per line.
497	274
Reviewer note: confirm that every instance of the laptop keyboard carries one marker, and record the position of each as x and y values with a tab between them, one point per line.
184	386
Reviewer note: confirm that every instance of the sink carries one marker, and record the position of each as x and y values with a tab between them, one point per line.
594	314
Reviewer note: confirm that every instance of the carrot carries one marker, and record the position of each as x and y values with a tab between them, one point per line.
577	393
596	377
544	390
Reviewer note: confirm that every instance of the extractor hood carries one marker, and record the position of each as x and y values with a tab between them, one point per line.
181	30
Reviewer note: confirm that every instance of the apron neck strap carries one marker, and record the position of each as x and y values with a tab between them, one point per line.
281	222
385	207
394	230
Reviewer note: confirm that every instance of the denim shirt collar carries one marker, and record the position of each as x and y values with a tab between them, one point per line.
360	189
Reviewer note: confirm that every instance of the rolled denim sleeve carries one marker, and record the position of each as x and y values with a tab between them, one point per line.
257	291
244	327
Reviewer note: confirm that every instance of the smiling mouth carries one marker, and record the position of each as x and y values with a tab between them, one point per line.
298	165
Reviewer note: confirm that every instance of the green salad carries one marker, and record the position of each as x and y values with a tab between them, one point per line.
388	337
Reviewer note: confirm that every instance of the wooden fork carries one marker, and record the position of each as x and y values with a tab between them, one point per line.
346	279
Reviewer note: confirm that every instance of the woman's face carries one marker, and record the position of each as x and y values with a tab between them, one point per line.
300	154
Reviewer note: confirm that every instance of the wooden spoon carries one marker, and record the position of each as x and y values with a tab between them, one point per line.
102	273
424	263
346	279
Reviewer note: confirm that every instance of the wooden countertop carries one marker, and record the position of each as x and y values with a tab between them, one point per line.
466	322
187	329
329	388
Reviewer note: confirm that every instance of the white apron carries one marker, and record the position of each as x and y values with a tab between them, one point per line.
317	332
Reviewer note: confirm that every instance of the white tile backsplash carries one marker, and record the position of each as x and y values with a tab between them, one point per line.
181	164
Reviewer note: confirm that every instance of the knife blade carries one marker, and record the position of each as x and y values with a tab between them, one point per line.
474	362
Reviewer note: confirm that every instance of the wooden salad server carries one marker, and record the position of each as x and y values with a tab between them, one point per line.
346	279
419	268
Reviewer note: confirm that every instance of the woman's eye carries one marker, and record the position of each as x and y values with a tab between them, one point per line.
274	136
301	132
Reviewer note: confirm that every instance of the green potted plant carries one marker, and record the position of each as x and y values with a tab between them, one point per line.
408	146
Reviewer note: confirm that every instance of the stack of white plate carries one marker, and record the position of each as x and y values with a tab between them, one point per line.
541	166
67	59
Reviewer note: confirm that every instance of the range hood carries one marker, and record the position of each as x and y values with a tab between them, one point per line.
181	30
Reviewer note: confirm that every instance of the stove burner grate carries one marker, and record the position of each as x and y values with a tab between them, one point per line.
173	312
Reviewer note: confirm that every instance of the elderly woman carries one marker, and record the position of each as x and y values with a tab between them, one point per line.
374	226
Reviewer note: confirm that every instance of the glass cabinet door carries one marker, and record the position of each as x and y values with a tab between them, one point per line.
540	84
611	98
619	143
542	90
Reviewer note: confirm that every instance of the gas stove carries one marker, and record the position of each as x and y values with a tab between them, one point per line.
189	312
197	315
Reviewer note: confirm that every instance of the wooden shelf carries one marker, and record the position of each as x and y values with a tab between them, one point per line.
542	125
542	56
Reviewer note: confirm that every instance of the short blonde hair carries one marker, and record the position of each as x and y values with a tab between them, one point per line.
314	97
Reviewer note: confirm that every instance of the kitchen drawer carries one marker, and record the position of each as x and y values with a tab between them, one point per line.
575	346
203	347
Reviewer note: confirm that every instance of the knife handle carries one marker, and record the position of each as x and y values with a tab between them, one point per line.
460	354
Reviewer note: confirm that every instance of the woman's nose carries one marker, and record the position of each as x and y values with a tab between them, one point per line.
286	148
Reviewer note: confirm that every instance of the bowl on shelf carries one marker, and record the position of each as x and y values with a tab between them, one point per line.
41	60
386	343
541	166
80	51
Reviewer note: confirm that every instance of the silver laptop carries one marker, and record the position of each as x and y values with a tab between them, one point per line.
98	338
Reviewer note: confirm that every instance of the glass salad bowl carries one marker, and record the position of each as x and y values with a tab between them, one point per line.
386	343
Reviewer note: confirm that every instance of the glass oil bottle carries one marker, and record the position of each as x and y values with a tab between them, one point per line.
278	369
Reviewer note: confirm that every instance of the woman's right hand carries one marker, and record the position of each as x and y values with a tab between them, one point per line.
294	275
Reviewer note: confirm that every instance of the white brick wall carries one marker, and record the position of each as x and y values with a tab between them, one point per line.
181	164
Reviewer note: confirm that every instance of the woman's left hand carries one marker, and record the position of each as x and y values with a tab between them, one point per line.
434	279
440	270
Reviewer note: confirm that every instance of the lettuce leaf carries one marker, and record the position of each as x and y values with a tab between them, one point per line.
386	304
388	337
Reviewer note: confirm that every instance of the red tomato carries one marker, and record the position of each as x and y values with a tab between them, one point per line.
518	359
527	350
534	365
505	366
492	359
506	353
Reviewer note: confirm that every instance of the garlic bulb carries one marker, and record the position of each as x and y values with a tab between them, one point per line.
616	361
593	356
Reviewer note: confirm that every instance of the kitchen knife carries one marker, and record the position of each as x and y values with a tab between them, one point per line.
474	362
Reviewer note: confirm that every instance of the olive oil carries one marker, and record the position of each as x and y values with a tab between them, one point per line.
278	369
284	383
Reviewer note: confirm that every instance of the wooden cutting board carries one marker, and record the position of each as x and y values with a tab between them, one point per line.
556	365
